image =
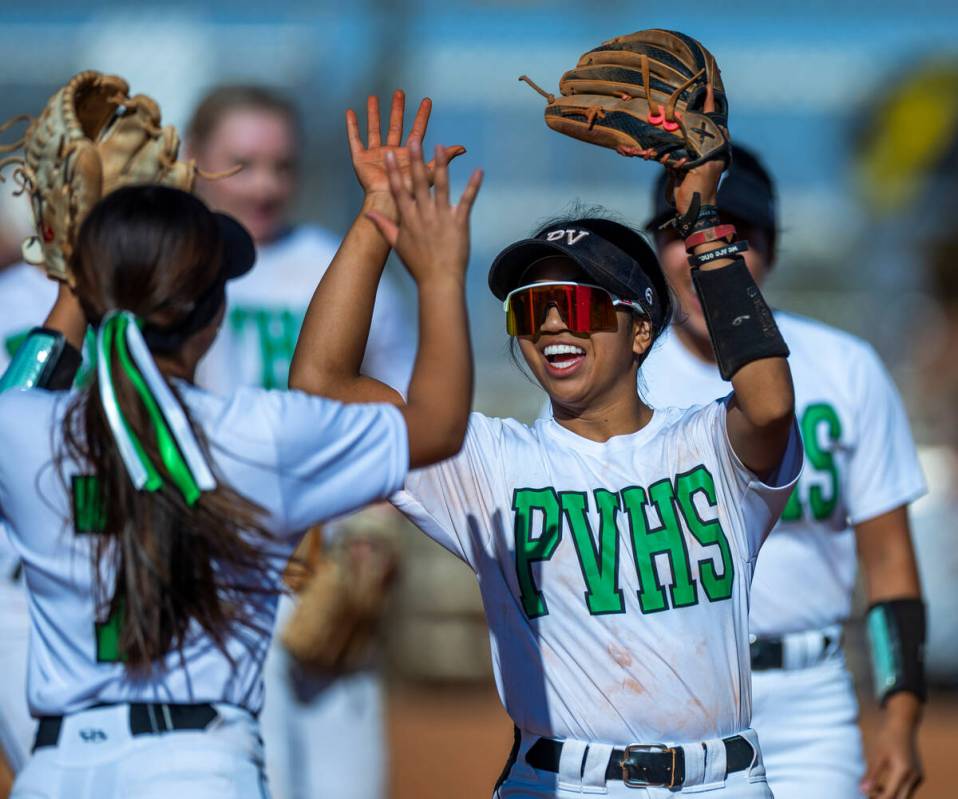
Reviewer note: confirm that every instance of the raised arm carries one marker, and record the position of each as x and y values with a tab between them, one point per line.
748	347
432	238
329	351
50	356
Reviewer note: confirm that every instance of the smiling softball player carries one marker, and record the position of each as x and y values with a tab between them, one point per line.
613	545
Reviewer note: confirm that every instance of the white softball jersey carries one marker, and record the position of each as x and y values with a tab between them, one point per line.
26	296
266	307
614	575
860	462
303	459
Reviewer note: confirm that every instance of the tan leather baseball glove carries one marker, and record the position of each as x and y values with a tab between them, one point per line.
91	138
342	594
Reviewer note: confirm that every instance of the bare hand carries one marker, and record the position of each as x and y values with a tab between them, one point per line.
432	236
369	161
895	770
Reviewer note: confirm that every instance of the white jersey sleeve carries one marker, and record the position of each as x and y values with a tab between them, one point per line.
883	470
760	502
327	458
440	499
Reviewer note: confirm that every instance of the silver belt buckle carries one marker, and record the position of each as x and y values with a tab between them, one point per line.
633	782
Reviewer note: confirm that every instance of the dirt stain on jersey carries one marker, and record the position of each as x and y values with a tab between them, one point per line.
620	656
633	685
702	712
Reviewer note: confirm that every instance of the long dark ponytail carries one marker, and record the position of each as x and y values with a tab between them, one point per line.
161	564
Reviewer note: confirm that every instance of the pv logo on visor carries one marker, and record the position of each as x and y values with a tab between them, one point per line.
571	236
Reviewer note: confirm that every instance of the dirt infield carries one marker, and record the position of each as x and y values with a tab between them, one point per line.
452	741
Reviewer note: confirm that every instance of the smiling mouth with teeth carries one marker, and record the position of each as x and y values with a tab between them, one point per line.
563	356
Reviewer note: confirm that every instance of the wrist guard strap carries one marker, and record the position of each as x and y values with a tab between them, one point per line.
728	251
896	634
740	323
44	360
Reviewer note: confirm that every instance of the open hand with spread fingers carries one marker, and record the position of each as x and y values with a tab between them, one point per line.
431	235
369	160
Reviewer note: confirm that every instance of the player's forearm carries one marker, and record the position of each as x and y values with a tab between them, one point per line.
440	392
749	350
764	394
761	414
50	356
904	709
67	317
888	564
332	341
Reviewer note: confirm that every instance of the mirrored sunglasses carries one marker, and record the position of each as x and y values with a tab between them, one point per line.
584	308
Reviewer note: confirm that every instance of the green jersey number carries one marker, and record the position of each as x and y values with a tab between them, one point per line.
818	419
89	518
276	330
542	514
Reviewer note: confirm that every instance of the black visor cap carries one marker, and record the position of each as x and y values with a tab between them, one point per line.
612	255
239	255
239	251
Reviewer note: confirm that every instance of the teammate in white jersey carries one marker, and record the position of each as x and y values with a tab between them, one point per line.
154	519
861	471
260	130
613	545
25	297
310	722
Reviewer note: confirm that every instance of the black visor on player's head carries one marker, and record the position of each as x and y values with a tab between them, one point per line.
610	255
239	255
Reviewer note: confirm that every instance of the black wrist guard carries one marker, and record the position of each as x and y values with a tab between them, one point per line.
45	359
896	633
740	322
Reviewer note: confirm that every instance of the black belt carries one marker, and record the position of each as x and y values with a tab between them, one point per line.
640	765
769	652
145	719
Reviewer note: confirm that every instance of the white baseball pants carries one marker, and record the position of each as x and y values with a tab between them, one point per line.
807	720
98	758
323	738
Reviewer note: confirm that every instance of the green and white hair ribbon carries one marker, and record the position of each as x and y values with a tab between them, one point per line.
142	472
179	450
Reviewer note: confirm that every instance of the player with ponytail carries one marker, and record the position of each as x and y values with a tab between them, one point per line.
154	518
